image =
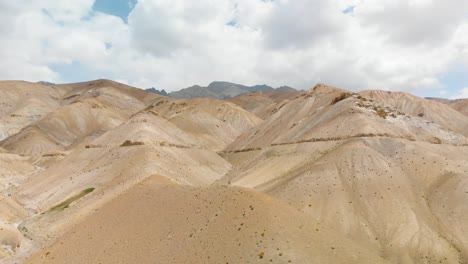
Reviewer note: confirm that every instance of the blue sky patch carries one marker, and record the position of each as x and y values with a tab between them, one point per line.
75	72
455	80
349	10
120	8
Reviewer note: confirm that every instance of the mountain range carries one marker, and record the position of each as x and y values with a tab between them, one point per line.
102	172
219	90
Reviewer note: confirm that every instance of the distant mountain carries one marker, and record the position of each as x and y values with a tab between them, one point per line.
220	90
443	100
461	105
160	92
46	83
285	88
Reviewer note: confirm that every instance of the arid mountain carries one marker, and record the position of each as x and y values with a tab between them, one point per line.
461	106
221	90
156	91
22	103
86	110
434	112
327	113
213	224
264	103
367	165
101	172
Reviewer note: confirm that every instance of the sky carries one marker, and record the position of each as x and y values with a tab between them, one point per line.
418	46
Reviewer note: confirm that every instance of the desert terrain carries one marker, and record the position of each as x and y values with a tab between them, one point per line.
102	172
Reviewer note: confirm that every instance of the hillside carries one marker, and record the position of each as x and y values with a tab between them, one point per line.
368	164
22	103
264	103
461	106
102	172
237	225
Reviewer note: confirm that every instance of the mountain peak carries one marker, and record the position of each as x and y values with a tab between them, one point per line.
219	90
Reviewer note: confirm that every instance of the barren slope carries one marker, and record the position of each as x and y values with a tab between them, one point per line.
110	173
264	103
89	109
14	170
375	173
214	122
327	113
128	96
439	113
461	106
11	214
181	224
22	103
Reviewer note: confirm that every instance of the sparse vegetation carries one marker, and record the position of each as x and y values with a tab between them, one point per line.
261	255
380	112
65	204
71	96
93	146
341	97
129	143
53	155
241	150
166	144
436	140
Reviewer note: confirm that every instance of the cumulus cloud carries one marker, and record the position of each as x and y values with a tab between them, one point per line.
378	44
412	22
462	94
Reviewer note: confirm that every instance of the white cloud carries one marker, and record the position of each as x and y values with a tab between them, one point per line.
397	45
413	22
462	94
302	23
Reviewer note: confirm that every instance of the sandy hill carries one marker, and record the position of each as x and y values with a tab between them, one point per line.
87	110
14	170
126	94
101	134
64	127
264	103
13	167
10	237
370	165
101	172
215	123
461	106
22	103
407	199
439	113
201	225
328	113
146	128
72	188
